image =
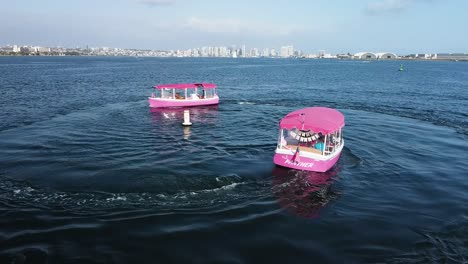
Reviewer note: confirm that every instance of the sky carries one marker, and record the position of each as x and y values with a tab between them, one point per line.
334	26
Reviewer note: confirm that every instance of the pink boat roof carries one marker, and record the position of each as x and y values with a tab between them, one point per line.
317	119
186	85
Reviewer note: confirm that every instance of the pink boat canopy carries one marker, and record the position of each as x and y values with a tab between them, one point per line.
186	85
317	119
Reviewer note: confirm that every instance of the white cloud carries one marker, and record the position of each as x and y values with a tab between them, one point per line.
213	25
390	6
386	6
197	31
156	2
234	26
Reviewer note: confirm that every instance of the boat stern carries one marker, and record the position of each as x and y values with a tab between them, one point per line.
305	163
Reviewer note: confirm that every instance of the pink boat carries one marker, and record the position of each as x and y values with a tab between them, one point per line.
310	139
183	95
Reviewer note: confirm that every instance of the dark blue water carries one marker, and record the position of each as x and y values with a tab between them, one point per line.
89	174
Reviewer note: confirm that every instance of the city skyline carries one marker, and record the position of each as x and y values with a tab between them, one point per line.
401	26
222	51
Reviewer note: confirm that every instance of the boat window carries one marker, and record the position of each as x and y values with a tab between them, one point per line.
337	138
201	93
157	93
328	145
191	93
180	95
290	137
333	141
167	93
209	93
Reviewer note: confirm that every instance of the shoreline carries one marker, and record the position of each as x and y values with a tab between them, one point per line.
347	59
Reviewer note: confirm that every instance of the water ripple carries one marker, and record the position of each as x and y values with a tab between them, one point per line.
89	174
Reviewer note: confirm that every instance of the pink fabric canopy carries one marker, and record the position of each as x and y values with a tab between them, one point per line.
317	119
186	85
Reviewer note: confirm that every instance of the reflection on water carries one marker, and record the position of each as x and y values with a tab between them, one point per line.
82	174
304	193
165	120
199	114
187	132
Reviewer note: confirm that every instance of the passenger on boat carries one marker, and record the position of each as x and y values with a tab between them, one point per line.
320	146
178	96
202	96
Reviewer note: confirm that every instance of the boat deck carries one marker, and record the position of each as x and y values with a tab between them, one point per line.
303	148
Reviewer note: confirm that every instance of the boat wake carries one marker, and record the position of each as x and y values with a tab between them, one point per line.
221	190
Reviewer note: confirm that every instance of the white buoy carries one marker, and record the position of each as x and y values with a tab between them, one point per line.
186	118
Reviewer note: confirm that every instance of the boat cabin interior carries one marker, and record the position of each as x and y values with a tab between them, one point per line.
310	142
187	93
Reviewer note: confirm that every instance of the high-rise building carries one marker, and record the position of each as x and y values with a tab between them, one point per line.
321	53
273	53
223	52
204	51
287	51
254	52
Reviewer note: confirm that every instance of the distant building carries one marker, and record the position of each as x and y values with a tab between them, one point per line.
25	49
429	56
386	56
287	51
254	52
343	56
451	56
223	52
329	56
321	53
204	51
273	53
13	48
418	56
41	49
365	56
